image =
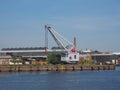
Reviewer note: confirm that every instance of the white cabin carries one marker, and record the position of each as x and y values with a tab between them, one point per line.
70	57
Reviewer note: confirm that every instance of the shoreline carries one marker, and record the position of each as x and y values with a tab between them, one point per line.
21	68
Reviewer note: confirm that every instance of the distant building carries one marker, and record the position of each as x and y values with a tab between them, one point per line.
33	55
5	60
37	55
103	58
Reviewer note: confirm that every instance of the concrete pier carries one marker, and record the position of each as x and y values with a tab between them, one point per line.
55	68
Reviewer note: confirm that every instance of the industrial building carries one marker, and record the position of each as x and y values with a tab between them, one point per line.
102	57
32	55
37	55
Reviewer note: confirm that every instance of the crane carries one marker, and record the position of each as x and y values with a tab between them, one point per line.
71	55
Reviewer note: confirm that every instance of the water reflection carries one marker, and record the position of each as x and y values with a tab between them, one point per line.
118	68
2	74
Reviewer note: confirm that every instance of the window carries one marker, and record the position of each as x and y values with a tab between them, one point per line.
74	56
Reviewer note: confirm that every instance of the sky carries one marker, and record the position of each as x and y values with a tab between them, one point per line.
95	23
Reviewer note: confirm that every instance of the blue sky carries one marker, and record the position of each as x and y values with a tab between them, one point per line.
95	23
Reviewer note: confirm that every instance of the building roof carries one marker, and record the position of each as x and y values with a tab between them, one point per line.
5	57
17	51
23	48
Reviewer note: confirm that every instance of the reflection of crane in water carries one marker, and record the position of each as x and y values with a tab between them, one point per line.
71	55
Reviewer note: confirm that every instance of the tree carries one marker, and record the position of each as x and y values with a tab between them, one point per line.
86	61
53	58
54	48
16	59
13	59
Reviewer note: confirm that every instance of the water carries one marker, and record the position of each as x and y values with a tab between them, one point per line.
81	80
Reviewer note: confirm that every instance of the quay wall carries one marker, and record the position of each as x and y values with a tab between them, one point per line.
55	68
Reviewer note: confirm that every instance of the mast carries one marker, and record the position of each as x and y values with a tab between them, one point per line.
46	40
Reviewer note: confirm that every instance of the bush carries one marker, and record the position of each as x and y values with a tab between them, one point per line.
53	58
86	62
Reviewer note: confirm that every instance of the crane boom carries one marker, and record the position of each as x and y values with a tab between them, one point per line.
61	42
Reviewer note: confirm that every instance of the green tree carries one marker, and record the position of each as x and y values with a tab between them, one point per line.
88	62
54	58
13	59
17	59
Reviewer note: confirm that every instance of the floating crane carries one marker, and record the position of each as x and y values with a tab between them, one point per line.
71	55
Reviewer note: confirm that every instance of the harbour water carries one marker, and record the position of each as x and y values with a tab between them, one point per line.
76	80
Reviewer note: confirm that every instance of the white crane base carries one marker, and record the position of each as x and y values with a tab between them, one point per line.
70	57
